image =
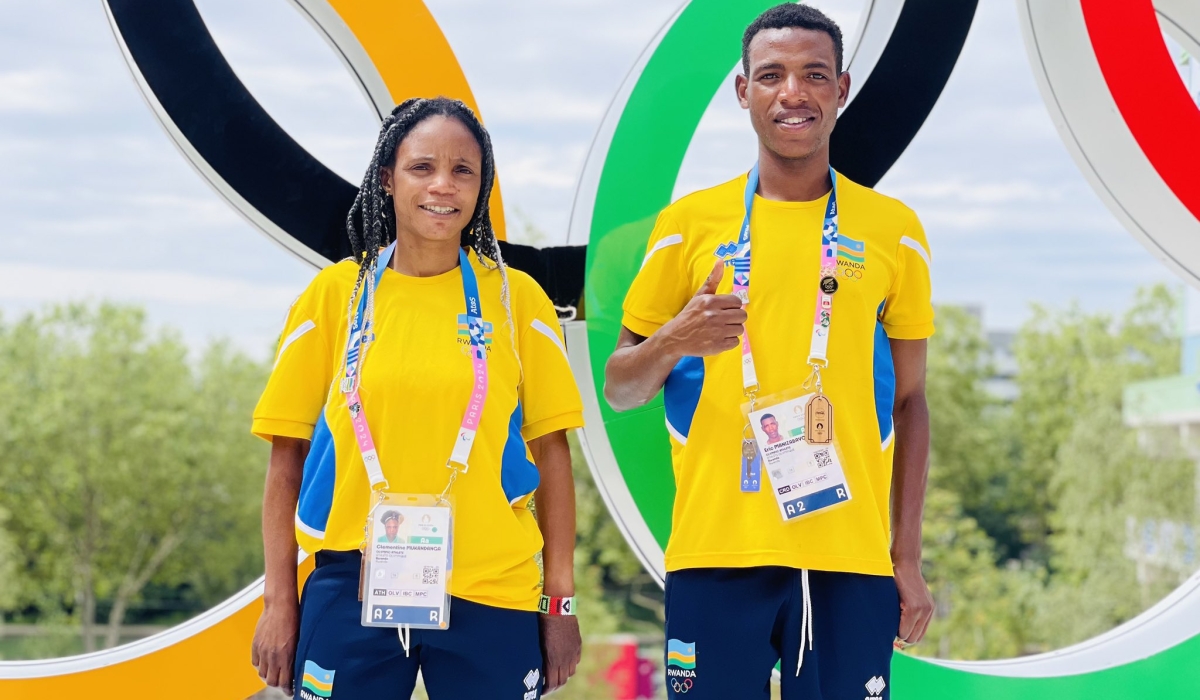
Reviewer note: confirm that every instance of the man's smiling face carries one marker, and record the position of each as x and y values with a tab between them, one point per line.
793	90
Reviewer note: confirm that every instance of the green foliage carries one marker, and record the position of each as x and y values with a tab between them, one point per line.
123	464
983	610
616	593
1073	366
969	453
605	561
1029	503
9	581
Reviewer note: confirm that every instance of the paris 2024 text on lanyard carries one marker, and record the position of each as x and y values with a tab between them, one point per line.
792	431
408	538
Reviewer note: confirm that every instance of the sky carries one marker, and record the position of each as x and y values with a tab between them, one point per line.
97	203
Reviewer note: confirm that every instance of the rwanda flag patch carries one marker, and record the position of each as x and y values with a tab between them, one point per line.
681	654
316	681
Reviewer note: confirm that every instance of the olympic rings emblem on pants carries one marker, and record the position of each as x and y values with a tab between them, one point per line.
681	687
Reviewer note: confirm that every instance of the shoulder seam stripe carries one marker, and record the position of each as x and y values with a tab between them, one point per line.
293	337
679	437
673	239
915	245
309	530
547	331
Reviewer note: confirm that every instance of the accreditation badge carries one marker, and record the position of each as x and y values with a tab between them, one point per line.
406	563
806	477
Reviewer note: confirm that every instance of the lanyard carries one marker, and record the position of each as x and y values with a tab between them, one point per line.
360	338
817	358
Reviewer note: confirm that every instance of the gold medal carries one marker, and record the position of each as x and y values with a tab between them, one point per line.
818	421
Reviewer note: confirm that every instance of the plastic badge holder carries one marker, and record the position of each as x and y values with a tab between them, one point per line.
408	562
805	479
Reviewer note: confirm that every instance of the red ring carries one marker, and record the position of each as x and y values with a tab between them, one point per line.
1145	85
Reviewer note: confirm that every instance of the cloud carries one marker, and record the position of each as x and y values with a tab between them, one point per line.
527	106
45	283
35	91
1010	192
542	167
87	167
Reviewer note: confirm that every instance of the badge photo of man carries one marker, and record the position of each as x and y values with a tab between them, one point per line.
770	426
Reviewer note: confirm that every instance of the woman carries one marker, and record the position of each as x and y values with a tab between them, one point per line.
384	335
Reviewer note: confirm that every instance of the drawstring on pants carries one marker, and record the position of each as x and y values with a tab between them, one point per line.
405	633
805	620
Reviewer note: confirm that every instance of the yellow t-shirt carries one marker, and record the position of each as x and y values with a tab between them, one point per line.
884	292
416	380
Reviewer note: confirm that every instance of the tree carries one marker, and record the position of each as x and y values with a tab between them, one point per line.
1071	365
970	450
121	462
9	583
1045	487
1102	478
983	604
983	610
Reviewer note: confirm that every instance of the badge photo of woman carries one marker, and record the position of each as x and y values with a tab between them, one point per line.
393	327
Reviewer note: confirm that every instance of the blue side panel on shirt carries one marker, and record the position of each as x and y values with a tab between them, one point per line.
681	393
316	488
885	381
518	476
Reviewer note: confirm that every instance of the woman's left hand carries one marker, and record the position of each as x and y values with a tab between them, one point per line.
562	648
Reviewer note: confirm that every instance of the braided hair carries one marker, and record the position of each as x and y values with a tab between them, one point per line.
371	222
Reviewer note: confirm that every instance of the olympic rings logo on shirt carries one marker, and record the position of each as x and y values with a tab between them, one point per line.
681	686
850	273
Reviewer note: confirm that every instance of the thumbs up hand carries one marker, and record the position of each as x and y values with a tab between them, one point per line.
710	323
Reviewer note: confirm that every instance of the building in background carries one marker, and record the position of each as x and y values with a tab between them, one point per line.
1166	413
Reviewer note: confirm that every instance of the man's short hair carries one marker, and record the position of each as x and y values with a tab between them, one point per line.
766	416
792	15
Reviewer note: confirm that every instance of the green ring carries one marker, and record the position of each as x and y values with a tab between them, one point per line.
635	184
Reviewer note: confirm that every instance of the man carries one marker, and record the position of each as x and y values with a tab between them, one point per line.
770	426
828	581
391	526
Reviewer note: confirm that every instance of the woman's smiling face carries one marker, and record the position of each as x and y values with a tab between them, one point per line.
434	180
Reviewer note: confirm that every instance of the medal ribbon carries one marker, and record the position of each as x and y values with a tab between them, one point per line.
824	311
359	340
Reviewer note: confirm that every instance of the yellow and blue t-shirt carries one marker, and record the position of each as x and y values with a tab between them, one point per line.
416	380
883	293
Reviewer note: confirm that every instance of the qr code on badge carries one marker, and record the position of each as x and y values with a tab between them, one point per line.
429	575
822	458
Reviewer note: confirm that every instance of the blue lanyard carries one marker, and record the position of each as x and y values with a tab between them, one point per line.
828	284
829	230
471	324
360	336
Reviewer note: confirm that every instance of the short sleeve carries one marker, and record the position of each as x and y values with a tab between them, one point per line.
299	383
662	286
908	310
549	396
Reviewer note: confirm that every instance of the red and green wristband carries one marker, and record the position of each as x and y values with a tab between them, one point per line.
551	605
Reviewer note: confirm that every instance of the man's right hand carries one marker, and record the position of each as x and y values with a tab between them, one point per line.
274	649
710	323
